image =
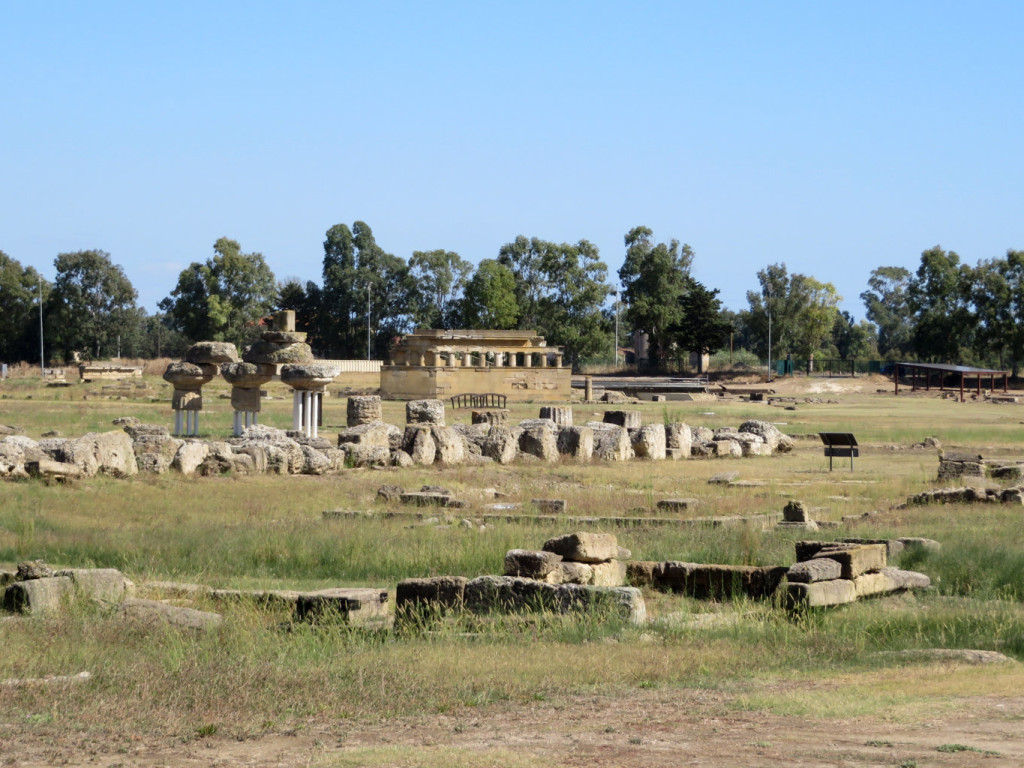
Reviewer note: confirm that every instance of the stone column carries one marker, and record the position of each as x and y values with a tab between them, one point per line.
499	359
309	382
188	380
558	360
513	359
246	380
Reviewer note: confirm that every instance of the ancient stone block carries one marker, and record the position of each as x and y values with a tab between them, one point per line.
795	512
571	573
155	613
245	399
856	559
649	442
549	506
820	594
420	445
363	409
367	455
726	448
437	593
375	433
270	353
450	447
191	454
627	419
425	412
539	440
640	573
502	445
678	440
356	606
718	582
584	547
491	416
186	400
561	415
577	442
609	574
39	596
612	443
530	564
212	353
818	569
677	505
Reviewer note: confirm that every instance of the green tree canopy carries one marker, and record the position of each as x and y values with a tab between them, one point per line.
92	303
20	291
223	298
489	301
997	293
438	281
703	328
655	277
939	297
886	304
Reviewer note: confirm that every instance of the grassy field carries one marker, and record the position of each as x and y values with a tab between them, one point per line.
261	674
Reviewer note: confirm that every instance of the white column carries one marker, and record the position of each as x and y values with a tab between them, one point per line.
296	410
307	412
314	413
177	423
237	424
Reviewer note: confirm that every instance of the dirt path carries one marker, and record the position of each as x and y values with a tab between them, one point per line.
646	728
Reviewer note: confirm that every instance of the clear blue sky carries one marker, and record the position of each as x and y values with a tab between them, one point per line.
836	137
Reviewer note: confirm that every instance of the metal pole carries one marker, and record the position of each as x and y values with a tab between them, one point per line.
42	357
769	306
615	346
367	321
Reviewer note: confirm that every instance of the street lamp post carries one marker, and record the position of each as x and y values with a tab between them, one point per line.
615	345
367	321
768	304
42	357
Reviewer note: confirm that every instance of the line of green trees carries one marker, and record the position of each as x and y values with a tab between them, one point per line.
366	298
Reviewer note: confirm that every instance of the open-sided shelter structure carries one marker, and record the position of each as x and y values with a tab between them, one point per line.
930	371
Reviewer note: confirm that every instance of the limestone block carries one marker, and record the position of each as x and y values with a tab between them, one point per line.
609	574
571	573
509	594
103	585
105	453
502	445
929	545
795	512
626	603
677	505
627	419
450	447
245	399
317	462
269	353
211	353
400	458
539	440
561	415
718	582
186	400
284	337
155	453
876	583
577	442
612	444
584	547
438	593
492	416
820	594
420	445
531	564
258	455
678	440
367	455
425	412
140	430
377	434
439	498
355	606
191	454
649	442
153	613
309	376
640	573
48	468
549	506
363	409
39	596
818	569
776	441
726	448
856	559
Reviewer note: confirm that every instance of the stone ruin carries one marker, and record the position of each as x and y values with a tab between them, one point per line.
282	351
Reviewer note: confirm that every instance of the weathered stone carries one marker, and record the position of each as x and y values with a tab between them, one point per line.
577	442
561	415
284	337
247	375
451	450
420	445
186	400
910	542
549	506
152	613
502	445
39	596
356	606
795	512
609	574
612	443
627	419
818	569
211	353
189	376
776	441
571	573
538	439
155	453
678	440
820	594
425	412
375	433
649	442
531	564
106	453
491	416
138	429
269	353
363	409
367	455
439	593
246	400
509	594
28	570
855	559
102	585
52	470
309	376
640	573
427	499
718	582
584	547
390	493
190	456
400	458
726	448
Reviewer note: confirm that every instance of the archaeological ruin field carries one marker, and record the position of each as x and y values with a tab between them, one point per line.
708	675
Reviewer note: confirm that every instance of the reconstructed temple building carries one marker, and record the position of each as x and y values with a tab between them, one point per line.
432	363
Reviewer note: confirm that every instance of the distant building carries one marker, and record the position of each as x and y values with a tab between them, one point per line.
430	363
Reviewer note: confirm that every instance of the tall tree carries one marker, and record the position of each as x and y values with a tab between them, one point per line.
438	280
307	303
703	327
939	297
997	293
21	290
489	300
819	304
224	298
364	288
774	307
654	277
852	340
91	304
887	307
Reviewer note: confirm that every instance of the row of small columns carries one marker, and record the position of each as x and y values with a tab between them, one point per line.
186	423
498	359
307	407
